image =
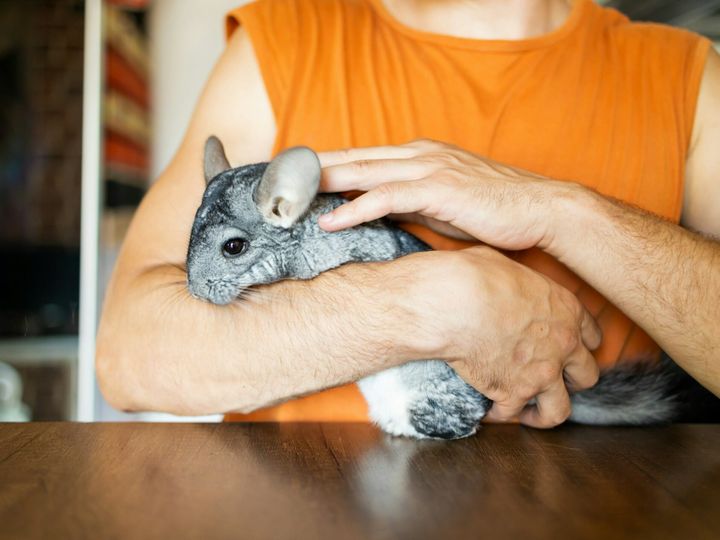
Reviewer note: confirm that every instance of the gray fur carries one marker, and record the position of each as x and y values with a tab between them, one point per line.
425	399
447	407
645	385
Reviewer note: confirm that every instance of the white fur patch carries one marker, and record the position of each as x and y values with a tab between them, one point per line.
388	402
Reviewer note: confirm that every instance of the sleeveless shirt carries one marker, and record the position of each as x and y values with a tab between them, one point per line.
601	101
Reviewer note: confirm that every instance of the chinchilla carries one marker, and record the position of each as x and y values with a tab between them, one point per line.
257	224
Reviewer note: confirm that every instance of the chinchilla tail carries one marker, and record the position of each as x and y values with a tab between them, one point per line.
645	393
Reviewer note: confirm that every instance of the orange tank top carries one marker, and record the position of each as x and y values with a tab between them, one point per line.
601	101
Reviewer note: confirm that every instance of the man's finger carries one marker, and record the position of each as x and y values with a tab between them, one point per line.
581	370
590	331
436	225
365	175
552	407
339	157
392	198
506	411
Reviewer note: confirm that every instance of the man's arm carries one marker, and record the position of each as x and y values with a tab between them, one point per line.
701	208
160	349
665	278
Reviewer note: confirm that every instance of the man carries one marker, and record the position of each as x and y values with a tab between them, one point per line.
615	105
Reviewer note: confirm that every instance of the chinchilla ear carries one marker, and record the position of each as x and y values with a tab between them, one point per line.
288	186
214	161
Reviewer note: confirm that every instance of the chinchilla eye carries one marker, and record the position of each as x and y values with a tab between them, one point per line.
235	246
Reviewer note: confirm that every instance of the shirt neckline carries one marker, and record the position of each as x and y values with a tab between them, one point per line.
576	15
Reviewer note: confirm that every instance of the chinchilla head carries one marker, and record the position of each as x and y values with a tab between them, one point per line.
242	232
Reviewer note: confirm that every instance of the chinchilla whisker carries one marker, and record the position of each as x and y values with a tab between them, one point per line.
178	284
167	266
262	296
240	303
176	295
245	297
179	266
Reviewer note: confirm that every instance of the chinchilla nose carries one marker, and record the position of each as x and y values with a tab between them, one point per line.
193	286
192	290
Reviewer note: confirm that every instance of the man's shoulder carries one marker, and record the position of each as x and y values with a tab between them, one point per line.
279	11
641	33
651	49
300	26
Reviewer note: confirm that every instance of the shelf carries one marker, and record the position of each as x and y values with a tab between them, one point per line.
36	350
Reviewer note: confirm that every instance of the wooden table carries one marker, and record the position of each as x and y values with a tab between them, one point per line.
62	480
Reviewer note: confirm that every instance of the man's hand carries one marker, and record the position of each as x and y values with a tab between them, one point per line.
452	191
510	332
534	336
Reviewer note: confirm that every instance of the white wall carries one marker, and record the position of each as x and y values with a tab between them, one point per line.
186	38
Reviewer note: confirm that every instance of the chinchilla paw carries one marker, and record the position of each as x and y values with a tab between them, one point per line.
449	415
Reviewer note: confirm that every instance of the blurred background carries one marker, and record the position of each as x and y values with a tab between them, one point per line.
115	87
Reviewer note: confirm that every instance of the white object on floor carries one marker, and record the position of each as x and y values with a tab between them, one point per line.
12	409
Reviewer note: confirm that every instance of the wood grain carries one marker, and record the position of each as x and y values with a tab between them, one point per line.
62	480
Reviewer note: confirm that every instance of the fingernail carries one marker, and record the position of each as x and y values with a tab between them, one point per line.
326	219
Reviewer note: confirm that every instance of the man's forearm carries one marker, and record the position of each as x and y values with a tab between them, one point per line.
160	349
665	278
